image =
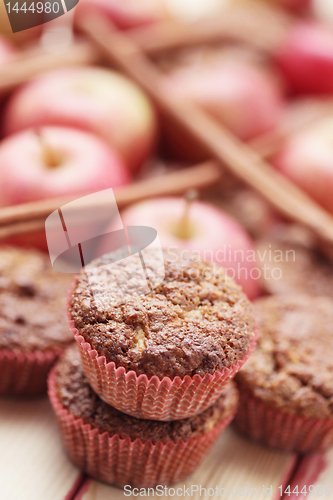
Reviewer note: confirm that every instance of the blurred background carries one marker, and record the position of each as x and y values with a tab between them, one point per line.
97	99
72	124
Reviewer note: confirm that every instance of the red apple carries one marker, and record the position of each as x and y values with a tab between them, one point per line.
241	96
306	58
307	159
212	235
91	99
58	161
125	14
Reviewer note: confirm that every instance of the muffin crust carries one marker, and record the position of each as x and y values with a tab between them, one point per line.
32	302
196	321
302	270
76	395
291	368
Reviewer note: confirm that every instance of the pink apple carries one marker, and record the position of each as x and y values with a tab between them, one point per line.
92	99
307	159
241	96
306	58
57	161
125	14
213	235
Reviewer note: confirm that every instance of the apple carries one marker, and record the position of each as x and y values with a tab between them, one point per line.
307	159
92	99
125	14
208	231
240	95
56	161
305	58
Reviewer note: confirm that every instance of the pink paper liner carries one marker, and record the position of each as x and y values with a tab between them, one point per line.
281	430
152	399
25	373
123	461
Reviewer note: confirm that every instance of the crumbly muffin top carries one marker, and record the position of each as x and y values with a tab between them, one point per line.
291	369
195	321
293	268
32	302
76	395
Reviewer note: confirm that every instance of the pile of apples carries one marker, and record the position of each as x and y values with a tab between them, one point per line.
306	61
79	130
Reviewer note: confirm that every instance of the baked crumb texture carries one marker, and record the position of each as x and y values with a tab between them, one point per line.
196	321
32	302
76	395
291	368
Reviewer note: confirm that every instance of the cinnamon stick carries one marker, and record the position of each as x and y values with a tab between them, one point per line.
259	26
22	228
219	142
30	217
22	69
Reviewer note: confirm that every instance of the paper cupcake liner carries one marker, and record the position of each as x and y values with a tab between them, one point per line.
282	430
25	373
123	461
152	398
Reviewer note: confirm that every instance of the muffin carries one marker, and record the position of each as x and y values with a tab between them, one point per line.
122	450
164	352
33	323
286	388
291	266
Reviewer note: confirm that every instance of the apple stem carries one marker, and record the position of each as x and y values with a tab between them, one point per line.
50	157
184	229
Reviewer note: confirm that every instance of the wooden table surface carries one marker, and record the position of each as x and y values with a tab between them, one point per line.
34	466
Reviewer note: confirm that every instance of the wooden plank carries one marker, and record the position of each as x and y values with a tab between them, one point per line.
33	464
315	470
233	463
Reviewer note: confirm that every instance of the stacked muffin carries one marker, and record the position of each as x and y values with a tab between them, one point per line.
151	390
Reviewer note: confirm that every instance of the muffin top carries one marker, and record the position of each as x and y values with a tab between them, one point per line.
32	302
291	369
76	395
294	267
194	321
